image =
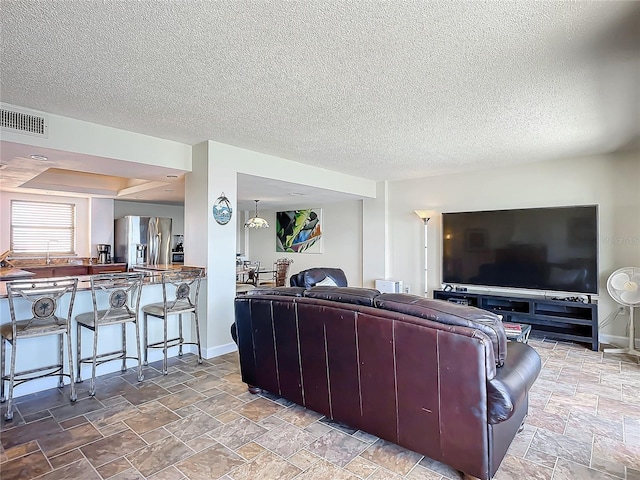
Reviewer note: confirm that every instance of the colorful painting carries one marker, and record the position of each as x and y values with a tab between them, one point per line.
299	231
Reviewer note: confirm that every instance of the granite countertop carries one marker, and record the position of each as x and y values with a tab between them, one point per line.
152	276
12	273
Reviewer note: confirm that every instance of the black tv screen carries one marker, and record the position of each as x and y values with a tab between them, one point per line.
535	248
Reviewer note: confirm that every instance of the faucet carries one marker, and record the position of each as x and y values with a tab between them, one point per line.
48	261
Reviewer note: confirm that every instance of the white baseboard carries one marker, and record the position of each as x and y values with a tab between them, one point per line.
219	350
616	340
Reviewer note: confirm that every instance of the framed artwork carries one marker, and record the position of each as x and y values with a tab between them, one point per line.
299	231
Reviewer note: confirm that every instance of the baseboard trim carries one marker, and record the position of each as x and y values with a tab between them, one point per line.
616	340
220	350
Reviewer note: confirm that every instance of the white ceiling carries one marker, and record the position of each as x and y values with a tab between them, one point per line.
381	90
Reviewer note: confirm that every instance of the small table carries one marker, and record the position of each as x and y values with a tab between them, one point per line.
522	336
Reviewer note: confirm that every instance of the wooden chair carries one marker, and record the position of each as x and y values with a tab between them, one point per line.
280	271
42	300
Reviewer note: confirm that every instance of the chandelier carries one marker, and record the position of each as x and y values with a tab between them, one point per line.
256	221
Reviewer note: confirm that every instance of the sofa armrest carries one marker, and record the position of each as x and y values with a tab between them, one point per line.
512	382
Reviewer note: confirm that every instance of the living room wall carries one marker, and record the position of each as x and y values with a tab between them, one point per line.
342	241
610	181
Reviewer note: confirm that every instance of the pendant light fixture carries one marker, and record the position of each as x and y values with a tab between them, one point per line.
256	221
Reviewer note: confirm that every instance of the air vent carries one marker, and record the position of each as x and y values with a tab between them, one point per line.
23	122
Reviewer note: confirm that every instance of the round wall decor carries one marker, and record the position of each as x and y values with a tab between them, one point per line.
222	210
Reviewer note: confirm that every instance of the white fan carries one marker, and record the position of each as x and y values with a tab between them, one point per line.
624	287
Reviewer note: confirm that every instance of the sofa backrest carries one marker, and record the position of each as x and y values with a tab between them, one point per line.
354	295
323	276
405	379
450	314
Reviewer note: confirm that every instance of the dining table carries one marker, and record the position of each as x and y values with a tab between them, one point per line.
251	275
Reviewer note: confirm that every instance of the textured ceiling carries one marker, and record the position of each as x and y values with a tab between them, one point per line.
382	90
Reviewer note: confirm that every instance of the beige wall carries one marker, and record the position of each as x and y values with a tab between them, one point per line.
612	182
342	241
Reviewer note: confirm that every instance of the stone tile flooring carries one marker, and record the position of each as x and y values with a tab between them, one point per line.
200	423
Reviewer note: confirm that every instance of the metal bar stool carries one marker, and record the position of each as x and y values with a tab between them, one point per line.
180	291
42	298
116	298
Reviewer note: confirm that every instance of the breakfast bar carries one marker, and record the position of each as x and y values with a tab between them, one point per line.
41	349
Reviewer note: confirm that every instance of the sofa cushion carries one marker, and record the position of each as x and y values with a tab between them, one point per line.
353	295
283	291
450	314
312	276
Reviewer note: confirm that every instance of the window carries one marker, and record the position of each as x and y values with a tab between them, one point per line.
40	227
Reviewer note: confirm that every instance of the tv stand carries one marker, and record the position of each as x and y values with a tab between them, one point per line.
556	319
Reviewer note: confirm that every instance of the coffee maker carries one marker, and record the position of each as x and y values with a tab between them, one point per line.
104	253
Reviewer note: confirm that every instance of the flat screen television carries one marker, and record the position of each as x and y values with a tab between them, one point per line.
554	248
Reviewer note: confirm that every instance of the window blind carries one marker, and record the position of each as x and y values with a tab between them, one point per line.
38	227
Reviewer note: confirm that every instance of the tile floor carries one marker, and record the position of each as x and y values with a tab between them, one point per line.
200	423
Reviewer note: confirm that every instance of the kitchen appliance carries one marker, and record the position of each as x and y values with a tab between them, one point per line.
177	257
104	253
142	240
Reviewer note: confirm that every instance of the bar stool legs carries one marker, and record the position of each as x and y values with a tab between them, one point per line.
43	298
180	293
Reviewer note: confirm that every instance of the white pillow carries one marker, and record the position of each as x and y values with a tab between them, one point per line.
327	282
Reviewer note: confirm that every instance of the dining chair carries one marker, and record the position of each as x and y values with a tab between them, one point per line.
280	271
180	292
252	270
115	298
37	309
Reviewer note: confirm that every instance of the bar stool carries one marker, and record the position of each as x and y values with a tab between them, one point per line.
180	291
116	297
42	299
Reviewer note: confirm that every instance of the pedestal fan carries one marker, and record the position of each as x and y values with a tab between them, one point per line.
624	287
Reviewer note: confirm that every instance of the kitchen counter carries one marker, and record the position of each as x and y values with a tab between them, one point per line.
37	351
72	269
151	277
12	273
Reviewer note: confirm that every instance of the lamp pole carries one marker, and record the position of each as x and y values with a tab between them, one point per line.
426	256
425	216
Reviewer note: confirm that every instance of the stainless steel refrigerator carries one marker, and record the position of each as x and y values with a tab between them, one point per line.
142	240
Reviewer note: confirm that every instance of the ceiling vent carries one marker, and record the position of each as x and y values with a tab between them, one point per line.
23	122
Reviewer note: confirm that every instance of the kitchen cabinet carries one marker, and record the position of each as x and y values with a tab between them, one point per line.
108	268
58	271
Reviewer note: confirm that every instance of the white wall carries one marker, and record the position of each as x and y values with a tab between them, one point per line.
342	241
612	182
101	223
71	135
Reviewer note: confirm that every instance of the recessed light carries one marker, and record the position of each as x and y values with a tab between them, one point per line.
42	158
297	194
172	176
169	190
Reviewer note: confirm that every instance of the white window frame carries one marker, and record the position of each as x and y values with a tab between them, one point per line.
39	228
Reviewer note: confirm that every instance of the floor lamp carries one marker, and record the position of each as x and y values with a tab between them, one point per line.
425	215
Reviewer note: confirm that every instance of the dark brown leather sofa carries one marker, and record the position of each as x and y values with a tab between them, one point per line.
437	378
319	276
